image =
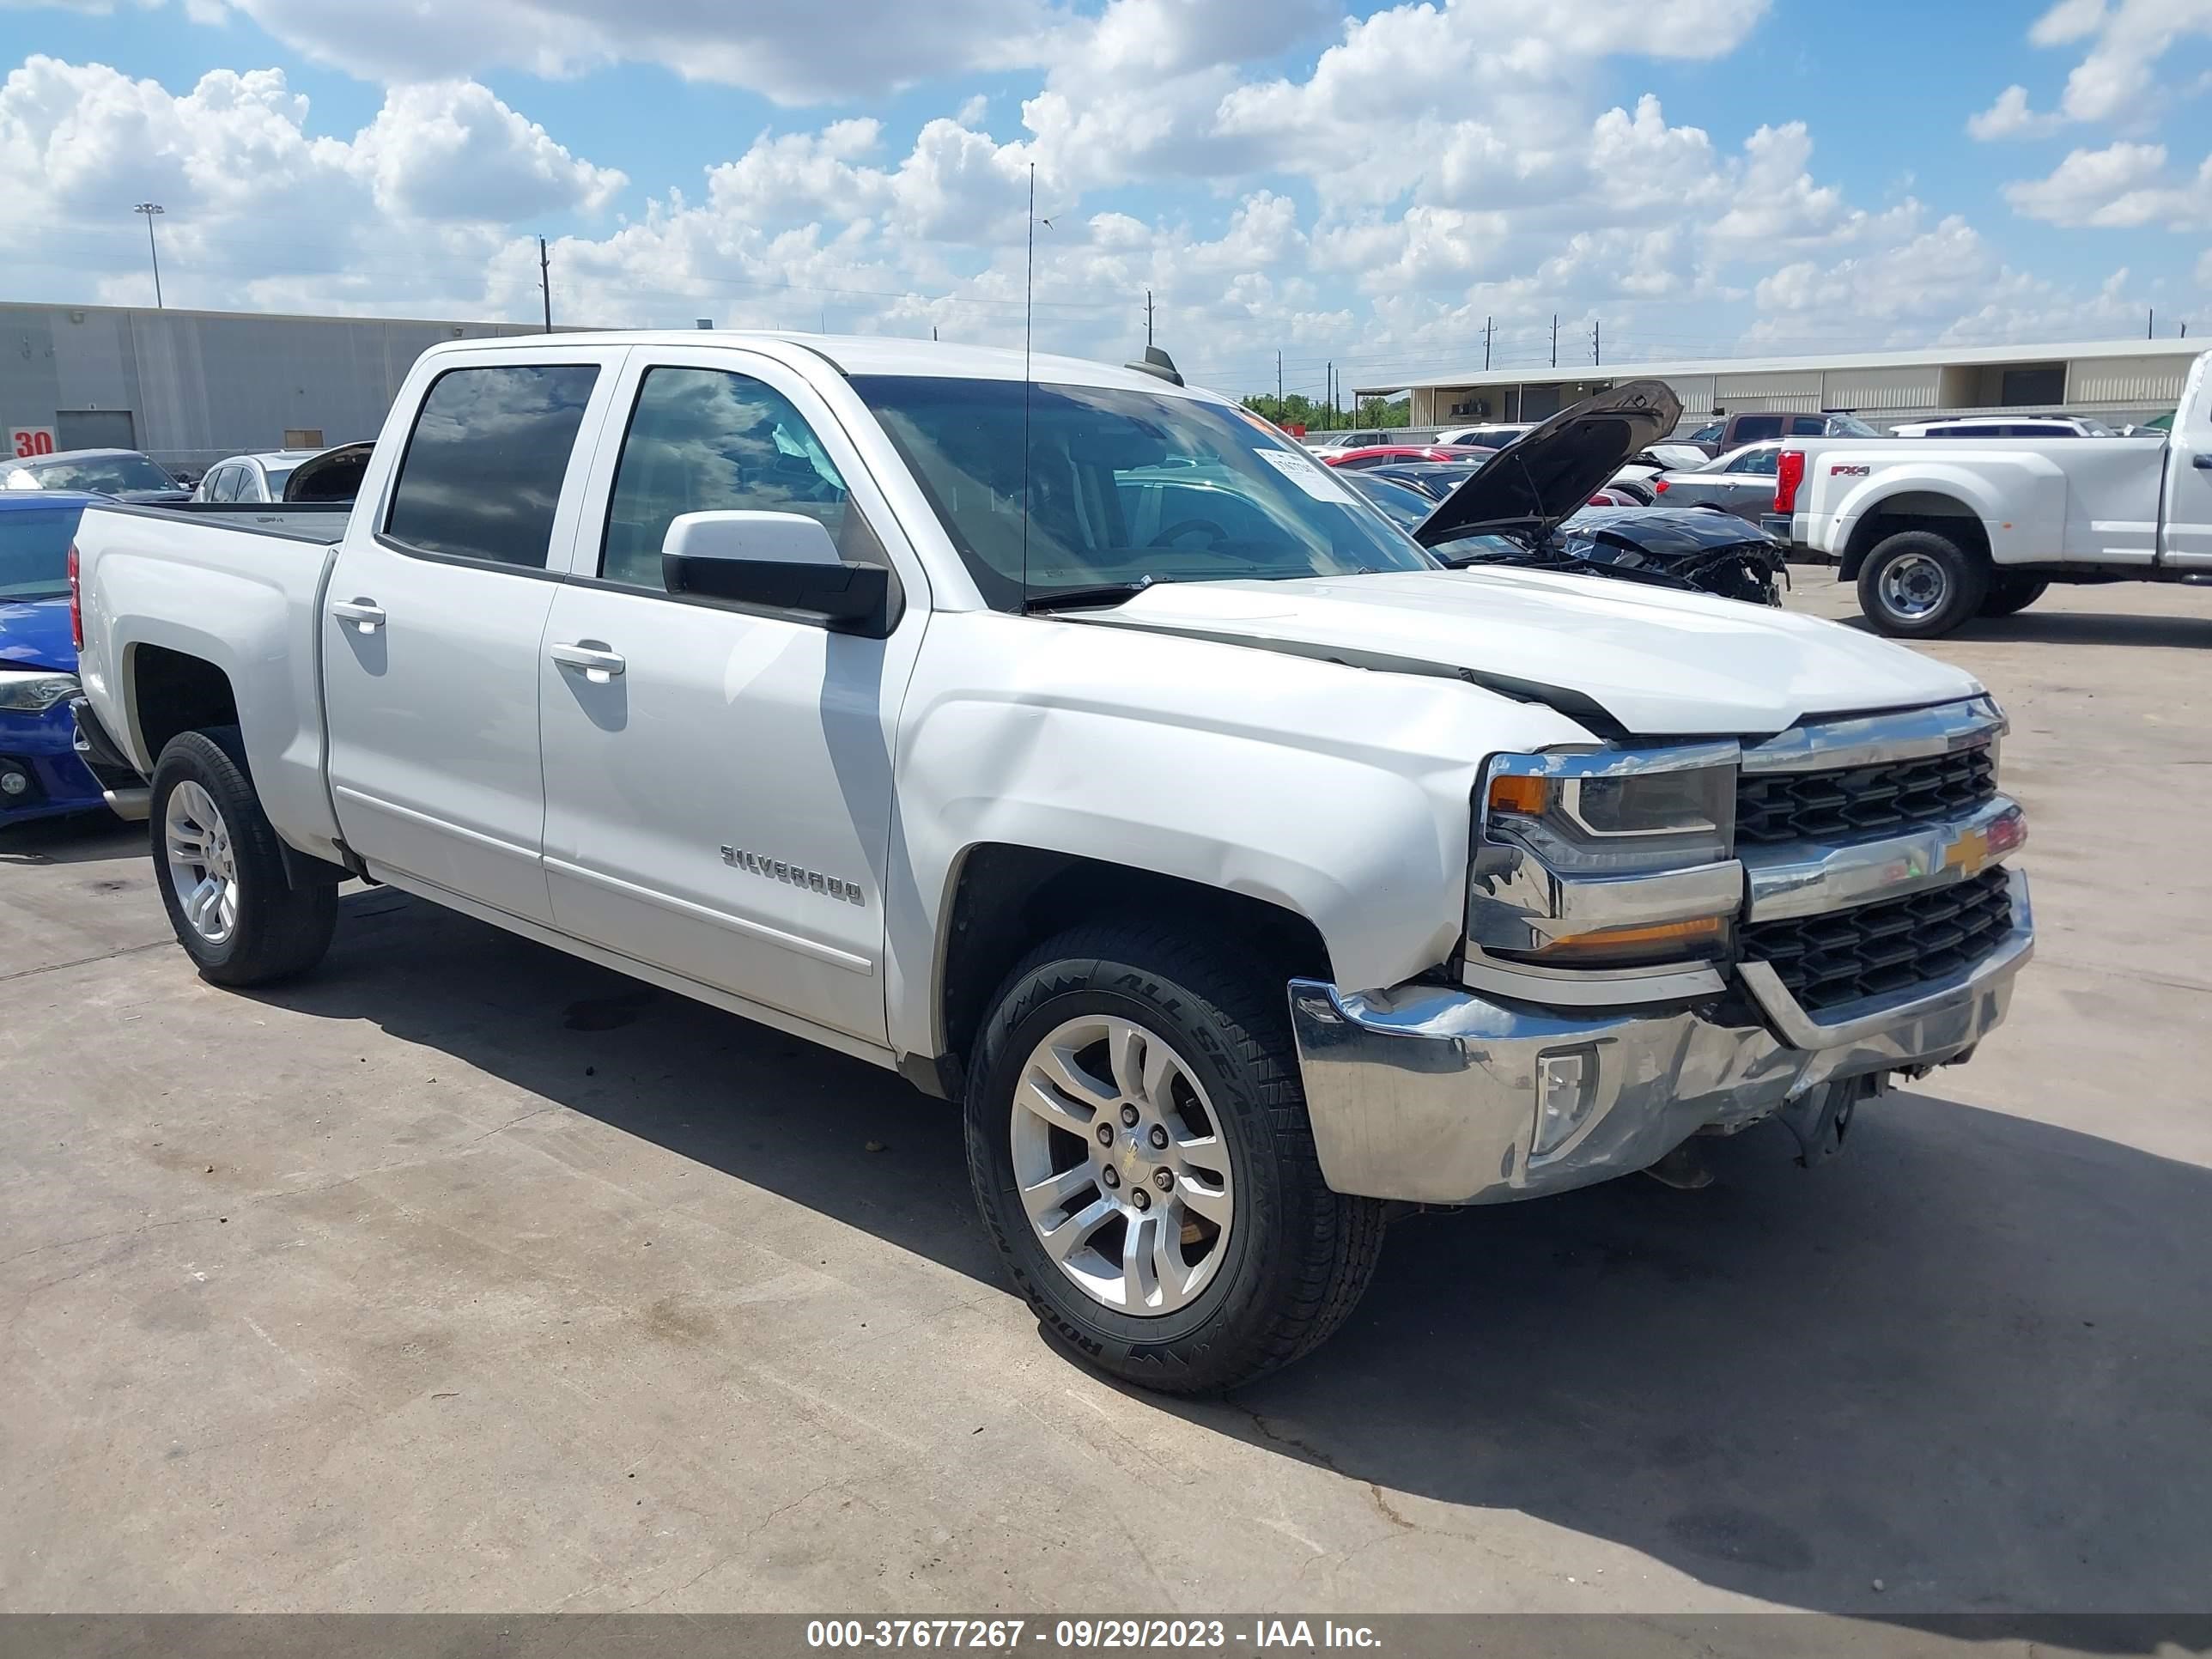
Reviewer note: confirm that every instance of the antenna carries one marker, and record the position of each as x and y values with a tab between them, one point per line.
1028	309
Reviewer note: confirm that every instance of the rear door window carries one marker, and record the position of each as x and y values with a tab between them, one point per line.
482	475
227	482
1757	428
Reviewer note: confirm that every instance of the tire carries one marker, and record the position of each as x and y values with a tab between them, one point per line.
254	927
2010	595
1918	584
1287	1258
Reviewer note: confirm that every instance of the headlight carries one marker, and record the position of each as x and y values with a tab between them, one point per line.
1613	824
34	694
1607	859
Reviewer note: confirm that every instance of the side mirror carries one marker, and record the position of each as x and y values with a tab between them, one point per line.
780	561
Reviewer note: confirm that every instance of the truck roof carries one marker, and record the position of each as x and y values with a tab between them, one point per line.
864	354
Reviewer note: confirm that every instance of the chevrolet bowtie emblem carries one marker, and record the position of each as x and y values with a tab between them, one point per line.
1969	853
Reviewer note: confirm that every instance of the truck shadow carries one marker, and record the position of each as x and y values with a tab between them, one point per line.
2078	628
1967	1360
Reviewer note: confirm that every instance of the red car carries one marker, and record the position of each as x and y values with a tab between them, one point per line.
1384	454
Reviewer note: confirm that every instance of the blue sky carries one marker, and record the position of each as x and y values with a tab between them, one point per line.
1364	186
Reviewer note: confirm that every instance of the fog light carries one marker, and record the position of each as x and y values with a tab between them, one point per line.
15	784
1566	1084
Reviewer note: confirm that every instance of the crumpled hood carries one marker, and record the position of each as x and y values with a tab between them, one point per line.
35	634
1657	663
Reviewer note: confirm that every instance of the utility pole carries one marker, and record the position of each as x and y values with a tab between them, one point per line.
1485	344
1329	384
545	281
2150	329
1278	383
1555	339
1148	319
150	209
1596	348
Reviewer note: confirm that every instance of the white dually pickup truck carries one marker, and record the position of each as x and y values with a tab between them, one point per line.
1070	743
1937	531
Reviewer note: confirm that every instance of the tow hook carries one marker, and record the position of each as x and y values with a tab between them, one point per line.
1822	1118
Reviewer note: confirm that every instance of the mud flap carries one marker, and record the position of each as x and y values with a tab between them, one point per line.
1822	1118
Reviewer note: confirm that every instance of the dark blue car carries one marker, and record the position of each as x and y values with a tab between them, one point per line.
41	776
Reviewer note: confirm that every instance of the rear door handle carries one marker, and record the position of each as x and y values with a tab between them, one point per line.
367	614
598	665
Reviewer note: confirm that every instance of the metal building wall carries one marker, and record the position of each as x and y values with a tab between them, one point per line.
200	385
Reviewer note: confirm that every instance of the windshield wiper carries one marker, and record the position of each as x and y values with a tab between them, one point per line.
1071	599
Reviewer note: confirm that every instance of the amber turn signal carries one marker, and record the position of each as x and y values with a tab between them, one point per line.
1676	936
1523	795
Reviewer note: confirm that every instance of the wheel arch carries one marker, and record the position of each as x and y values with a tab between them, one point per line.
168	692
1003	899
1930	510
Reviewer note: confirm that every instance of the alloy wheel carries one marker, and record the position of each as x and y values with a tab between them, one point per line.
1121	1166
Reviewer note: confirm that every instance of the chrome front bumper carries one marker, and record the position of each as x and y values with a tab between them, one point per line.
1428	1093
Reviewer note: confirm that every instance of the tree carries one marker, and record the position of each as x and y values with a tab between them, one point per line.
1298	409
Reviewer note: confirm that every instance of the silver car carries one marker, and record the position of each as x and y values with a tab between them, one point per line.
258	477
1741	481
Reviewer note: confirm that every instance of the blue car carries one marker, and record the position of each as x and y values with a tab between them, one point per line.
41	776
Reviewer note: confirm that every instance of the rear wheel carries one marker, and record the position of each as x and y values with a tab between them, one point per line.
2009	595
1139	1144
1918	584
223	881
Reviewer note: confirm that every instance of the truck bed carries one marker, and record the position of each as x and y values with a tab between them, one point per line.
321	522
239	586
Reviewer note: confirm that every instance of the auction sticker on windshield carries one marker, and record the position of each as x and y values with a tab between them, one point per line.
1314	480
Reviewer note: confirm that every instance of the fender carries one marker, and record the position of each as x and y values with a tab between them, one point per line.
2008	491
1338	793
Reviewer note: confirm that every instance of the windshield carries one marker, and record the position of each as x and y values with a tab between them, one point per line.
1122	486
1849	426
34	544
101	474
1407	507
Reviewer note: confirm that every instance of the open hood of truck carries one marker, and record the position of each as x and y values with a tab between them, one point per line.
1536	481
1621	659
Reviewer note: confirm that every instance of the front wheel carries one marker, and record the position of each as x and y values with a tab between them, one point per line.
1139	1148
1918	584
223	883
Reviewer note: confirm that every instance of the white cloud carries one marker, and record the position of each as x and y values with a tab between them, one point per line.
2116	79
1413	175
2010	118
2121	186
794	51
452	150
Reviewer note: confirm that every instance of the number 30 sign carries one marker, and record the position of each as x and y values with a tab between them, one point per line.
26	441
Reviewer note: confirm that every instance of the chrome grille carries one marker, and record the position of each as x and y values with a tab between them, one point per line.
1828	960
1859	802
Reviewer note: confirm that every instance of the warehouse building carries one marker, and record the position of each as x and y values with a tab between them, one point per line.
2116	381
190	387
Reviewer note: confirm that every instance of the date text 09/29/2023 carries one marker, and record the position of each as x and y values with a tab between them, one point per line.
1087	1635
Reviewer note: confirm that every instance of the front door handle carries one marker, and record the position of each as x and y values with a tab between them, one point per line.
2203	461
367	614
599	664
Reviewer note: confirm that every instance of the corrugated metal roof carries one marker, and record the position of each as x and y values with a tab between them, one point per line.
1964	356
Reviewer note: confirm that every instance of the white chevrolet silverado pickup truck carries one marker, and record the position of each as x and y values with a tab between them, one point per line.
1937	531
1067	741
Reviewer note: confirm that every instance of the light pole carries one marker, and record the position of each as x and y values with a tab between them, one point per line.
150	209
